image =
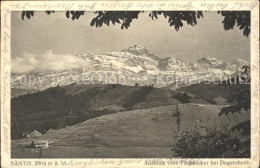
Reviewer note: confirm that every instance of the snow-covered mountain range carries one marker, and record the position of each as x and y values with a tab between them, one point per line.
130	66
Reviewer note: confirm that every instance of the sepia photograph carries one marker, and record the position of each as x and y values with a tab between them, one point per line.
131	83
95	84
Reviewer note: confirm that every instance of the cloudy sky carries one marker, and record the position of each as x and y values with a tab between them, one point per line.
46	40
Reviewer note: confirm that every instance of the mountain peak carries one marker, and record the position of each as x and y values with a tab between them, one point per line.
211	62
136	49
209	58
137	46
140	50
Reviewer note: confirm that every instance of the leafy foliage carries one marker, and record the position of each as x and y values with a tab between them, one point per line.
219	143
27	14
243	103
175	18
124	17
215	144
183	97
49	12
241	19
244	126
74	14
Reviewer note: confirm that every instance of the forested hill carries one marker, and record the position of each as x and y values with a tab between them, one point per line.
226	90
58	107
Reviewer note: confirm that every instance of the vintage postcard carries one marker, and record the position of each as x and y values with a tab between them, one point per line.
130	84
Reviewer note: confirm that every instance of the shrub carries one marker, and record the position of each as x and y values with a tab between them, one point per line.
215	144
182	97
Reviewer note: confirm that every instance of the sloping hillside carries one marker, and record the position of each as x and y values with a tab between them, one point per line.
145	133
137	133
67	105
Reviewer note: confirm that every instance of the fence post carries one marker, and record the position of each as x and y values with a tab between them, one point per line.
178	117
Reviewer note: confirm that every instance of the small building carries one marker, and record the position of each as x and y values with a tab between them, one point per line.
33	134
40	144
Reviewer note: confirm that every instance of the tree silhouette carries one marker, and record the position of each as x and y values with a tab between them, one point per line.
241	19
175	18
243	103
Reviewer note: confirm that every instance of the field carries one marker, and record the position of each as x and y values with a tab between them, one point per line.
145	133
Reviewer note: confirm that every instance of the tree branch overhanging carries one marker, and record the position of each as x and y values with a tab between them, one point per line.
175	19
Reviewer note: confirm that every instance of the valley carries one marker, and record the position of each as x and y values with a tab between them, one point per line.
130	134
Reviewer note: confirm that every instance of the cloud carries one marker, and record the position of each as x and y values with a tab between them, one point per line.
47	61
